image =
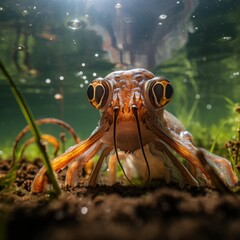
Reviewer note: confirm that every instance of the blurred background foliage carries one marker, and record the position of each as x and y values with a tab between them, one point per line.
53	49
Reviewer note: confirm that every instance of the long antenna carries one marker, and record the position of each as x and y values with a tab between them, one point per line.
134	109
116	111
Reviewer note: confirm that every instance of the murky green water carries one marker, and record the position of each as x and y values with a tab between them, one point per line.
57	47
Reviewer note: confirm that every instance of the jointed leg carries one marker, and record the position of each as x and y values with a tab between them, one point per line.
64	159
72	175
183	170
93	178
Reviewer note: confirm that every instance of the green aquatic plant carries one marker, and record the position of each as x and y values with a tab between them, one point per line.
35	131
228	128
233	146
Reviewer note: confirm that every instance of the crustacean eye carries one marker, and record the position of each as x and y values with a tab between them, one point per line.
158	91
98	93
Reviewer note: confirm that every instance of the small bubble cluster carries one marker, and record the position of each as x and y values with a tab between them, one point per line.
83	77
162	17
235	74
225	39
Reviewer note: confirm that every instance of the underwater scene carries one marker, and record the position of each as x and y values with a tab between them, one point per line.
54	49
89	145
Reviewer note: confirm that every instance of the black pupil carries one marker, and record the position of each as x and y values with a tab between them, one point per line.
90	92
99	93
158	91
169	91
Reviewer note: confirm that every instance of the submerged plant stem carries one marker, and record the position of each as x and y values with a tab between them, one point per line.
35	131
215	139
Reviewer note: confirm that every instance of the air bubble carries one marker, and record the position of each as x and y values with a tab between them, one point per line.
78	74
209	106
96	55
118	5
81	85
61	78
25	12
76	24
86	81
58	96
20	48
22	80
83	64
84	210
197	96
48	80
163	16
94	74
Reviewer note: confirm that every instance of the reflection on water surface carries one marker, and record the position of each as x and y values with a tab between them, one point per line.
53	49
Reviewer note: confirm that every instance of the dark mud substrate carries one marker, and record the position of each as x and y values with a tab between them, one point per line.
117	212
